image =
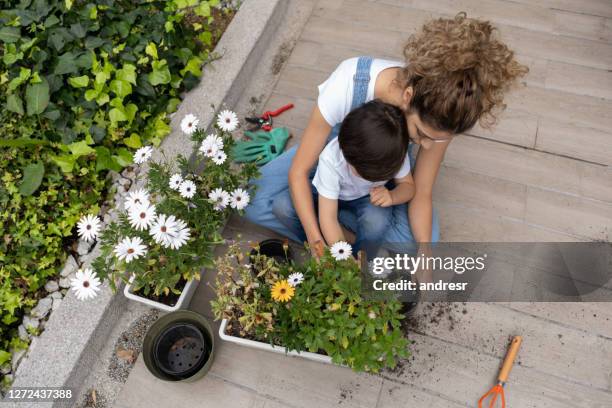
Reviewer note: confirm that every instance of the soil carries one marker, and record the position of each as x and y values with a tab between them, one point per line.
431	317
281	56
169	300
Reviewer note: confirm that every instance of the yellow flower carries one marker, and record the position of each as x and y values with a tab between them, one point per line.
282	291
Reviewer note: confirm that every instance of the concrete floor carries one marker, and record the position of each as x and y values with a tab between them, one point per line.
542	175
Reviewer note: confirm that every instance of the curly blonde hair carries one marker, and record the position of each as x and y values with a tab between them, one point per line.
459	72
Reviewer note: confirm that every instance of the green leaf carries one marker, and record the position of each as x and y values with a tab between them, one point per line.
65	162
11	55
127	73
120	88
10	34
80	148
5	357
78	30
160	73
123	157
151	50
32	177
133	141
79	82
14	104
24	75
104	160
68	4
117	115
193	66
37	97
102	99
65	64
203	9
51	21
91	94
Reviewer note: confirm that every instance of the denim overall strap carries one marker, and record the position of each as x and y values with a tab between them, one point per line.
361	81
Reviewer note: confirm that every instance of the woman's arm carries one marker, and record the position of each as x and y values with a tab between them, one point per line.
420	209
402	193
313	142
328	219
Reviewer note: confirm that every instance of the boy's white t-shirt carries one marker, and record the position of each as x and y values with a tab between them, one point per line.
335	180
336	93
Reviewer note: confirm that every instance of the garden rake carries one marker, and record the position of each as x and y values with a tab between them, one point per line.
498	390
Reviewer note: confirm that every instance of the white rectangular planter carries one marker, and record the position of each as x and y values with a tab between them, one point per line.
181	303
267	347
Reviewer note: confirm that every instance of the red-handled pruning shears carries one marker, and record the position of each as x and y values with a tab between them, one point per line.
265	121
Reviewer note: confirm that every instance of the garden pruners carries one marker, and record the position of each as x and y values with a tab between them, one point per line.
264	122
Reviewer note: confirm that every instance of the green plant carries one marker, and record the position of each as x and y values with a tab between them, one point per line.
325	313
82	84
167	260
100	78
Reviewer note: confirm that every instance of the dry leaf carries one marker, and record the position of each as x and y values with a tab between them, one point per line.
126	355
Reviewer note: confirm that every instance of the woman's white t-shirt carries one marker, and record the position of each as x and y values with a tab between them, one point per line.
334	178
336	93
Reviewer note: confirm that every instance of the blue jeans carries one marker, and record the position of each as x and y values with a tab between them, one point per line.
272	208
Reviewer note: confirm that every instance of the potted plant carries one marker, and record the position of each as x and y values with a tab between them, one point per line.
166	232
314	310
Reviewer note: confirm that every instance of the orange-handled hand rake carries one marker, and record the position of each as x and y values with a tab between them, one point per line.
498	390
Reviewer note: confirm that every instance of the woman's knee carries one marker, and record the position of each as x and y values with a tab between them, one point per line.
282	207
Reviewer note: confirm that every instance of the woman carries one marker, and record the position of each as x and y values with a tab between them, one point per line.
455	74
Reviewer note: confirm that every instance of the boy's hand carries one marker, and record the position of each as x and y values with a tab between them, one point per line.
381	197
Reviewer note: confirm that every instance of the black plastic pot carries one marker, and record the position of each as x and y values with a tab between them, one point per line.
179	347
273	248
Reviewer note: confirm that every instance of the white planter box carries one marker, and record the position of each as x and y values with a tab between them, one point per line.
181	303
267	347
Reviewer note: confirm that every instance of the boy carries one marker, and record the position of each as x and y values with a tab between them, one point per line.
353	169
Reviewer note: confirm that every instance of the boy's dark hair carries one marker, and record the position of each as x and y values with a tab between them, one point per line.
374	140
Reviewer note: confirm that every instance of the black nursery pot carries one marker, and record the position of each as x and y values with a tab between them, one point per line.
179	347
273	248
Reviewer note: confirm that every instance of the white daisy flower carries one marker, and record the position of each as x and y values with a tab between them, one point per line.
215	140
136	197
220	198
220	157
175	181
181	237
295	278
164	229
85	284
209	148
227	120
189	124
141	216
187	189
240	199
341	250
88	227
143	154
129	249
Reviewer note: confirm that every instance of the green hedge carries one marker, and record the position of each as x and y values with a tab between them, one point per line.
82	84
